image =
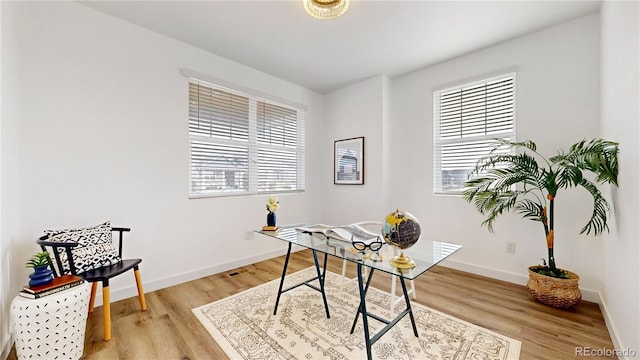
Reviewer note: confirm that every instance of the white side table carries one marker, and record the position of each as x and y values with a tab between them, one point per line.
53	326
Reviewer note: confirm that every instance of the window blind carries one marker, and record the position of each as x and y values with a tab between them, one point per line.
240	144
215	113
466	120
278	146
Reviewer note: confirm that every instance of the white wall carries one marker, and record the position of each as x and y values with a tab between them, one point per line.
620	78
557	104
354	111
8	182
4	271
387	146
96	117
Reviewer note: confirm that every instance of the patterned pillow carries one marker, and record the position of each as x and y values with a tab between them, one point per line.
95	247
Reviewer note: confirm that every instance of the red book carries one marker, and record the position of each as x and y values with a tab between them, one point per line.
61	281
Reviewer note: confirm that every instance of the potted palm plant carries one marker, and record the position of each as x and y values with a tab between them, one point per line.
528	183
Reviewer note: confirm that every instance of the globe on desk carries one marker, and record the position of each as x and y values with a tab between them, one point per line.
401	230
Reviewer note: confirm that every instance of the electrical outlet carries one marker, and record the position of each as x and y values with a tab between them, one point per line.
248	235
511	248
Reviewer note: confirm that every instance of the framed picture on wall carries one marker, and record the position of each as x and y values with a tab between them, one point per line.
348	161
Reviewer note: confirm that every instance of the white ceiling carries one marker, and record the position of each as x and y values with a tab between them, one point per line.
372	38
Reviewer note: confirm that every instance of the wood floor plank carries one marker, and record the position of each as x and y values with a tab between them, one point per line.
133	347
169	330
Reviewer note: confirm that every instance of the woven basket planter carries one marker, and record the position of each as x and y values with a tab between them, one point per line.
559	293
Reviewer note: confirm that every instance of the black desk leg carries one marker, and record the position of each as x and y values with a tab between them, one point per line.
406	300
363	309
366	288
320	279
284	272
324	267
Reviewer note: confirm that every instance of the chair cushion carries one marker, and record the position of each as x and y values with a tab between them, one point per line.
95	247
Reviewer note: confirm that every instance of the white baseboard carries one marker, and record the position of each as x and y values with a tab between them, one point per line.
152	285
520	279
613	332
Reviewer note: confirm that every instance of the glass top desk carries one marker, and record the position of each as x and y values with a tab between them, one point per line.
430	253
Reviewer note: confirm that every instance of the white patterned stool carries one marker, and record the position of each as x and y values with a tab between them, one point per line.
53	326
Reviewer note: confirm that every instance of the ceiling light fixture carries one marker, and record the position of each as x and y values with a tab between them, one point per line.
326	9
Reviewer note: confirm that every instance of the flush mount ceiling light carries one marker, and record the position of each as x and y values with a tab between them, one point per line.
326	9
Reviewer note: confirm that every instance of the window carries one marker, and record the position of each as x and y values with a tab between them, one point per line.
466	120
242	144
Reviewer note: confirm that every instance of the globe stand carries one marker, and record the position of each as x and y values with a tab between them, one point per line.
403	262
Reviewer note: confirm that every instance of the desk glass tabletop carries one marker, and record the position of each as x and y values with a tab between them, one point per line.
425	254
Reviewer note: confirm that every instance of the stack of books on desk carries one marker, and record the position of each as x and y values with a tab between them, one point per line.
58	284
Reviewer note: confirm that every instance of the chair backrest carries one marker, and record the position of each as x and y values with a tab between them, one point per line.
371	225
79	250
375	226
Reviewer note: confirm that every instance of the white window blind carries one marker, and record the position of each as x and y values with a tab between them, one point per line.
466	120
242	144
279	167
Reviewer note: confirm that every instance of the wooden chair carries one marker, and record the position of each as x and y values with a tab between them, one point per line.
81	252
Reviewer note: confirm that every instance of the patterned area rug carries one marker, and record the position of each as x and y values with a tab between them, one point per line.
245	328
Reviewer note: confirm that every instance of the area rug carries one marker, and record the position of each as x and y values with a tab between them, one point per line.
245	328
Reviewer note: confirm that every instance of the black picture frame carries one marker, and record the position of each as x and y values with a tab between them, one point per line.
348	161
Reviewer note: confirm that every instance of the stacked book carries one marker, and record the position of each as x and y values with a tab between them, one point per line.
58	284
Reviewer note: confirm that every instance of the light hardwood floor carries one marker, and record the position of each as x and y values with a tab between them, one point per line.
168	330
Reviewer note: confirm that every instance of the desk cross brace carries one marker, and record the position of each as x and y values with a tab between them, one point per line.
320	276
362	309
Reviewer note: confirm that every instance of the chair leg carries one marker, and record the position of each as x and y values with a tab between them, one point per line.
344	273
143	302
92	301
106	308
413	290
392	294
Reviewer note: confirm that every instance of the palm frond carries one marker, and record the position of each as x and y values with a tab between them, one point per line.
506	178
497	180
598	221
514	144
491	191
475	185
515	163
598	156
531	210
495	204
568	176
491	161
524	162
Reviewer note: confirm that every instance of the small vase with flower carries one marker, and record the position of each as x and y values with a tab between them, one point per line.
272	206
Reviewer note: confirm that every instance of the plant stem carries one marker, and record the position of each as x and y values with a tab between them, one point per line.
552	259
545	221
